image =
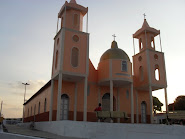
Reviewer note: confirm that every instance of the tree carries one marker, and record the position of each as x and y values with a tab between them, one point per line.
156	104
179	103
171	107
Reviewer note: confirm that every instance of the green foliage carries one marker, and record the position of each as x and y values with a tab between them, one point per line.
156	104
179	103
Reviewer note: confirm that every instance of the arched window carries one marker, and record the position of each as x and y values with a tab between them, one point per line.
56	60
152	42
39	108
140	44
64	107
76	20
141	73
74	57
157	73
45	105
35	109
127	94
143	112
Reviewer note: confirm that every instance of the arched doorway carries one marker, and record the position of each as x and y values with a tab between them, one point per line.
106	102
143	112
64	109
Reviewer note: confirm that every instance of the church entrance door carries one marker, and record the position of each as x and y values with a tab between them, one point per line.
64	110
143	112
106	102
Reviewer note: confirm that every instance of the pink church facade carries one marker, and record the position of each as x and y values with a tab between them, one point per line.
76	87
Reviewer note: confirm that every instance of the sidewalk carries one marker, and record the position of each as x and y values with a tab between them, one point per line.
35	133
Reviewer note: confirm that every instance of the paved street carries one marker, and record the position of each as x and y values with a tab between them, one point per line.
28	132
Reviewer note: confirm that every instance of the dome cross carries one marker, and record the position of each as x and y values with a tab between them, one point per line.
114	36
144	15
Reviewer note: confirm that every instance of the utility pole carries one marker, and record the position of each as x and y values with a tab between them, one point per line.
25	84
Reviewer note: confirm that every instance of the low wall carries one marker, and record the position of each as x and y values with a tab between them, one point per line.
38	117
95	130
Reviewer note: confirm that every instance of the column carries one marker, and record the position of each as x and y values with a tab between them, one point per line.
99	97
118	103
132	104
59	96
75	103
85	100
51	101
151	104
137	114
111	97
111	85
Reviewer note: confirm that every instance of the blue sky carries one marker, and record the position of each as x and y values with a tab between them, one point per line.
27	29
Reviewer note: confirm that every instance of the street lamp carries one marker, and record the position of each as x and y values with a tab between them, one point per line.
25	84
25	90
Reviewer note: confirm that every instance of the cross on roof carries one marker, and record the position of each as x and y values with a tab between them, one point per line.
114	36
144	15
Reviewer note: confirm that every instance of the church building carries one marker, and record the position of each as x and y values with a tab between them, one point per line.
77	87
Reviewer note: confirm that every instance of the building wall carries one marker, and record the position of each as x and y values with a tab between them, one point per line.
144	96
103	70
39	114
56	60
117	73
125	100
70	20
93	73
140	60
92	100
40	98
82	56
161	65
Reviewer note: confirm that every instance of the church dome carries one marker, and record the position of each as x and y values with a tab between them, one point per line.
114	53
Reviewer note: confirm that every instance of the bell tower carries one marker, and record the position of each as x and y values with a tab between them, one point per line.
149	64
71	52
70	42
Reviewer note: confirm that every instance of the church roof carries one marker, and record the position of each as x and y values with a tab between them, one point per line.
114	53
147	28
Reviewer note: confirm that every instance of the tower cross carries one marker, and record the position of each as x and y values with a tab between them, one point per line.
144	15
114	36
